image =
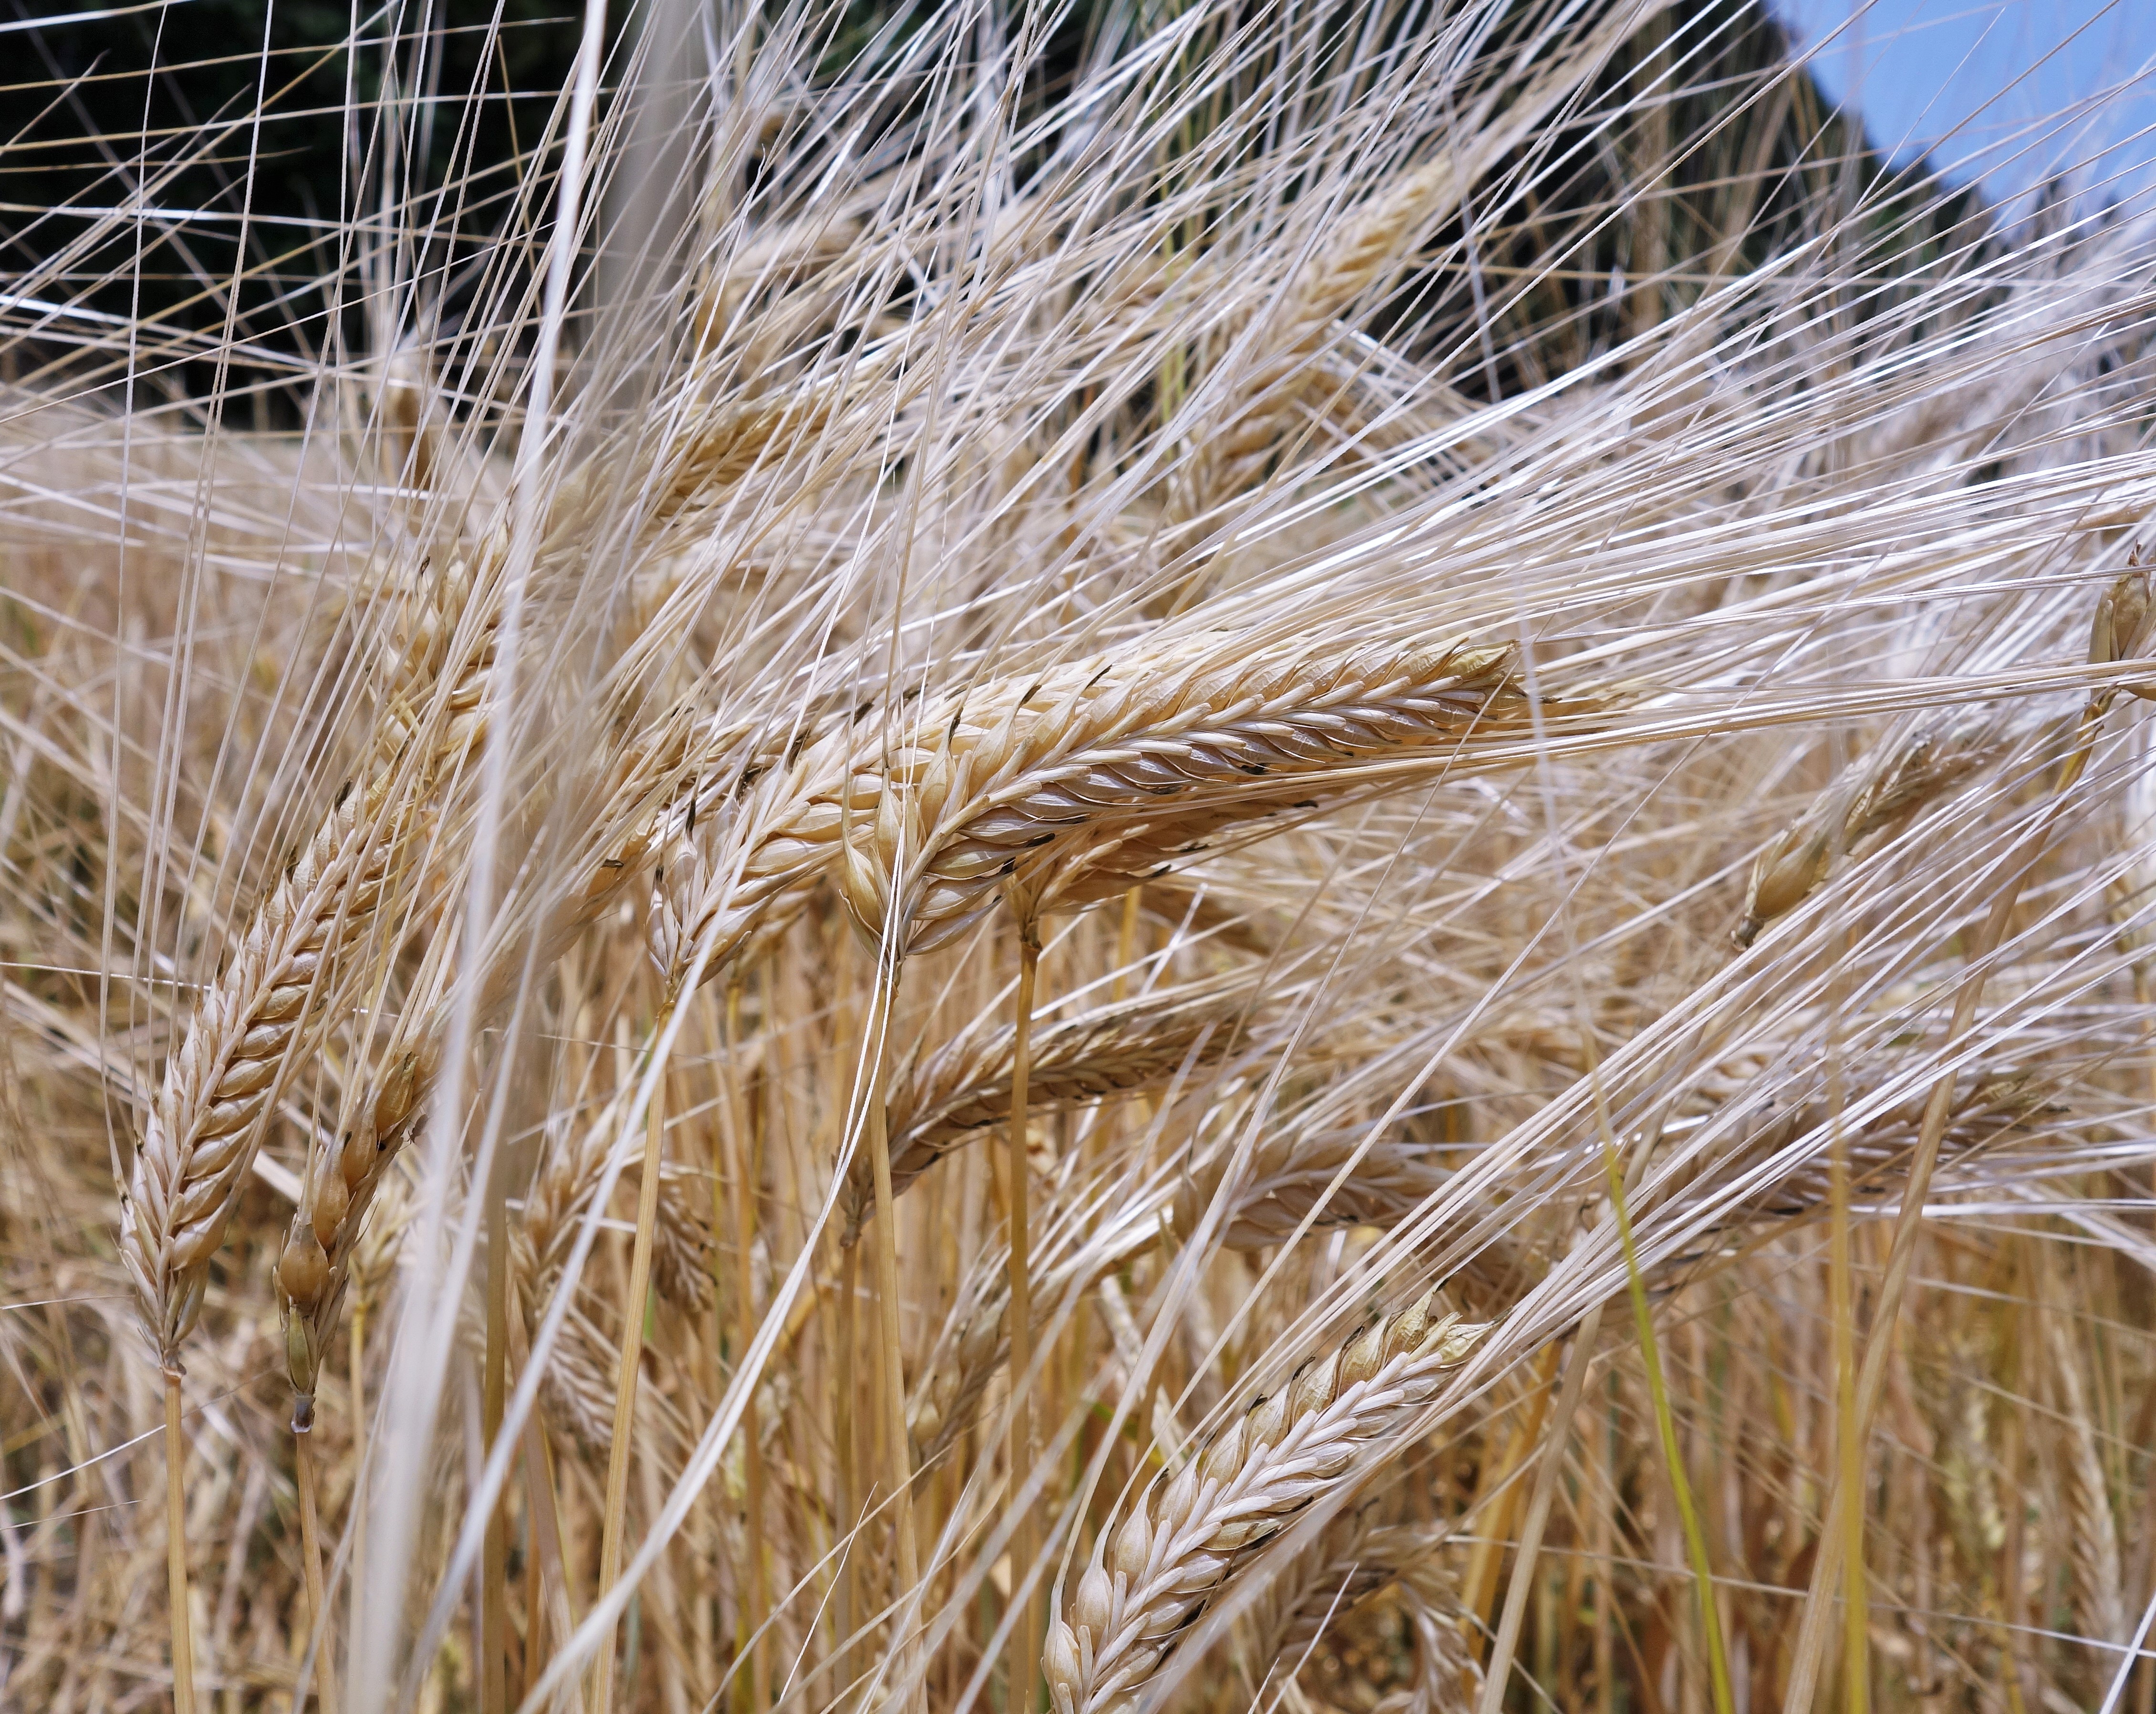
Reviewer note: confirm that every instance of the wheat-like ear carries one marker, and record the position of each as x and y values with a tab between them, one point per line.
2098	1583
264	1013
974	1342
1353	1561
331	1219
578	1386
1448	1670
1989	1103
259	1016
1287	1182
964	1087
1176	1548
1069	788
1063	788
1867	800
267	1010
1368	248
570	1170
448	641
743	863
1877	793
1288	1177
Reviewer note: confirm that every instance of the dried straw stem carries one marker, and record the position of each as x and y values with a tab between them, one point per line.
741	1166
494	1570
175	1550
888	1328
1183	1541
310	1566
619	1448
1025	1634
845	1597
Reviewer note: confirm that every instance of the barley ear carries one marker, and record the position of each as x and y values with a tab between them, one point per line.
261	1013
2119	631
1175	1550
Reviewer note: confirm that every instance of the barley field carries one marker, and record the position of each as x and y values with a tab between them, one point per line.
1165	858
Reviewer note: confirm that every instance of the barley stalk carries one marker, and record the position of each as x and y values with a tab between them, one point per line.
310	1566
628	1370
175	1550
1024	1646
1175	1549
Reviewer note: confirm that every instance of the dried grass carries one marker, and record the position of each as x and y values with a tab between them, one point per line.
1338	556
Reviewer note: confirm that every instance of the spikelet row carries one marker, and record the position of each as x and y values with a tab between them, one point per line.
1154	1571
